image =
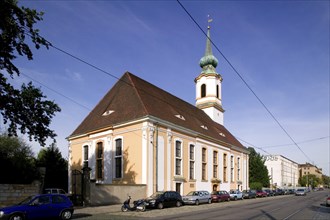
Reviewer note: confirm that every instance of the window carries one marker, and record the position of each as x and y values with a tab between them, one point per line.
178	158
99	161
58	199
238	168
119	158
203	90
217	91
225	167
191	162
232	168
215	164
85	156
204	163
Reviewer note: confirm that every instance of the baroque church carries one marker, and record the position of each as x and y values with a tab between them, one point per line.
140	139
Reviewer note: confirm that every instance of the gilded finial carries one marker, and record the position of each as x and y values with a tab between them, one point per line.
209	20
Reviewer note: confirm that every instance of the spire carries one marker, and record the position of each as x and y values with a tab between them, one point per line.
208	62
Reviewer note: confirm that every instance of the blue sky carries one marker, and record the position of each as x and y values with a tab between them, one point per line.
280	48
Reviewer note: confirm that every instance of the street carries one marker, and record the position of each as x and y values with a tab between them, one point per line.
280	207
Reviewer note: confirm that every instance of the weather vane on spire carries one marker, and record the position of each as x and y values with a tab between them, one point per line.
209	20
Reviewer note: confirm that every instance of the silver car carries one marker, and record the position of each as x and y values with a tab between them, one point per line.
300	192
197	197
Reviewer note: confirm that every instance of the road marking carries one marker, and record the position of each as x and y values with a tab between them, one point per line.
292	214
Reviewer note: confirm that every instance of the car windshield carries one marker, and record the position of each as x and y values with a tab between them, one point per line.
156	195
26	201
300	190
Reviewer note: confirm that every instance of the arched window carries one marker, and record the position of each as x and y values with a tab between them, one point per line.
203	90
99	161
217	91
178	157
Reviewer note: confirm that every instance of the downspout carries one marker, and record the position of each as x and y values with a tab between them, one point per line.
156	156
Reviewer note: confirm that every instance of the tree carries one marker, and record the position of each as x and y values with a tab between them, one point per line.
258	172
25	109
310	180
17	161
56	167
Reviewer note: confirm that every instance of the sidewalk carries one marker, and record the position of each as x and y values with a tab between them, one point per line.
92	210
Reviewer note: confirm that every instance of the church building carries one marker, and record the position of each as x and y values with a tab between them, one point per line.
141	139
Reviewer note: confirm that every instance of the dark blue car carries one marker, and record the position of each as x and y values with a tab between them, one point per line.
46	206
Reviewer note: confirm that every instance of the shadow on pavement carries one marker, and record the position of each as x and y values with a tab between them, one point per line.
81	215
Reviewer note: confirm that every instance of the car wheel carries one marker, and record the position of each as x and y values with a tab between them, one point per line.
160	205
178	204
16	217
210	201
66	214
197	202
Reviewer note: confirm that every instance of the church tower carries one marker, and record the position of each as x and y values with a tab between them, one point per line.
208	85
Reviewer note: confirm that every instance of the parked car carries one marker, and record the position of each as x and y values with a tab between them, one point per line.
219	196
44	206
197	197
300	192
261	193
235	194
291	191
327	201
249	194
270	192
54	191
163	199
279	192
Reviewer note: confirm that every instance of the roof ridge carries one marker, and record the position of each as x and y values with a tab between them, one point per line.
136	90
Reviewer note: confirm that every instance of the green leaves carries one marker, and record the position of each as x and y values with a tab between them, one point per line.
25	109
258	172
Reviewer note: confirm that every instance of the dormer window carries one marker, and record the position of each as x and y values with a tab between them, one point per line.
204	127
222	134
180	117
108	112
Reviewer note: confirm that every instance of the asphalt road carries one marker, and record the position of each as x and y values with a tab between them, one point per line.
287	207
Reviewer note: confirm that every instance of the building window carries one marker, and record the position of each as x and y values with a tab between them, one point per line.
119	158
85	156
204	163
215	164
232	168
178	158
238	168
191	162
203	90
225	167
99	161
217	91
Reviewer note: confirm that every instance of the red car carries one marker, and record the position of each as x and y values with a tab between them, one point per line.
261	193
219	196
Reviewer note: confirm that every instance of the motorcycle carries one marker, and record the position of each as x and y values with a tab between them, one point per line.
139	205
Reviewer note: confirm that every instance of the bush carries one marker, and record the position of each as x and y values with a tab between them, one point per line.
256	185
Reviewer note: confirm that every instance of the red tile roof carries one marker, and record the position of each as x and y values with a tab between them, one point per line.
132	98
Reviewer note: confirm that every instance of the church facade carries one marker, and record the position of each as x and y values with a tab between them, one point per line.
139	134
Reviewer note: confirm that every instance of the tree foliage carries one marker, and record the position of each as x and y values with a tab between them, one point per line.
25	109
17	162
56	167
258	172
310	180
